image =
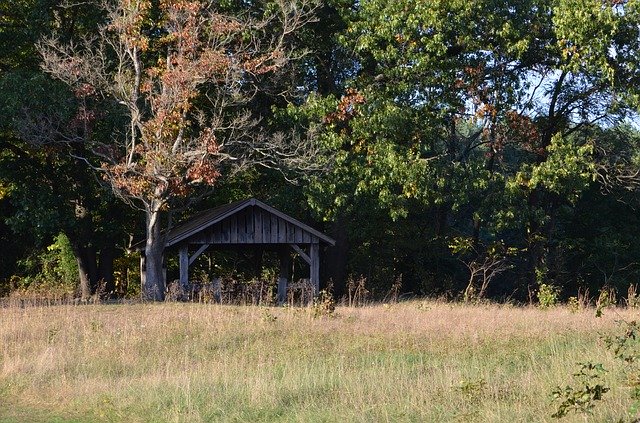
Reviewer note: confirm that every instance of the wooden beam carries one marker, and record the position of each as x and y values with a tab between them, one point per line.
184	265
314	271
197	253
300	251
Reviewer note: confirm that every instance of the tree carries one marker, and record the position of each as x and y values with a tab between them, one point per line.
160	64
482	125
47	190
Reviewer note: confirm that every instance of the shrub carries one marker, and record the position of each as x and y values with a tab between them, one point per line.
49	273
583	397
606	298
548	296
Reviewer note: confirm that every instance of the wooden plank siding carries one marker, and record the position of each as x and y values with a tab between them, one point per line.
262	224
257	225
291	232
233	228
217	233
253	226
266	227
242	227
250	228
282	231
273	230
226	238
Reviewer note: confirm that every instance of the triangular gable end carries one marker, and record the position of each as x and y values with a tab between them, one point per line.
245	222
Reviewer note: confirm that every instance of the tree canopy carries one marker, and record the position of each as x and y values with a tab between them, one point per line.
476	157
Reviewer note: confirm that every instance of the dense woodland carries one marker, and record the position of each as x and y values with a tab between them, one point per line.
462	148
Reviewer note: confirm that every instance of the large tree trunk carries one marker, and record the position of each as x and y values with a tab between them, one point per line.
85	279
105	269
87	268
336	258
153	285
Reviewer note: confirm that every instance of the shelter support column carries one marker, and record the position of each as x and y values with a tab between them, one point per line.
283	278
143	271
217	290
184	265
314	268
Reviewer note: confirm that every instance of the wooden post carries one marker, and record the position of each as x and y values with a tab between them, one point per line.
283	278
217	290
143	271
184	266
314	268
164	278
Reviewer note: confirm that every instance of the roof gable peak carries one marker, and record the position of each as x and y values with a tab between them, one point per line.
213	216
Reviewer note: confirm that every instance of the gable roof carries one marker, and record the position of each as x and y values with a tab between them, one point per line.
204	220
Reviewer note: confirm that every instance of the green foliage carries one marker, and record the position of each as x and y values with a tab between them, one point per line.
567	171
548	296
589	379
435	123
599	37
56	267
45	189
605	299
444	137
626	347
633	299
126	275
65	266
581	398
461	245
573	304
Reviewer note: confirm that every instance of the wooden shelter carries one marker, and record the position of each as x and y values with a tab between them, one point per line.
245	223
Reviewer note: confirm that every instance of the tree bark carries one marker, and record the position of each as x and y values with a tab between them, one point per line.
105	269
87	268
153	285
336	258
85	280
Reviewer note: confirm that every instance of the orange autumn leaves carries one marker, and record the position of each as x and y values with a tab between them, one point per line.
181	73
171	156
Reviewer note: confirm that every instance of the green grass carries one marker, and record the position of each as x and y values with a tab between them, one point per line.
192	362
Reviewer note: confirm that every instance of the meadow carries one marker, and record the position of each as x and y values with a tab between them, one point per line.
422	361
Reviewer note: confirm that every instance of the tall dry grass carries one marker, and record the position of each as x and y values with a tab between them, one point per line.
415	361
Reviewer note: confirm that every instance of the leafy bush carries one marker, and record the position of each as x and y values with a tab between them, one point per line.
626	347
606	298
548	296
54	268
590	387
573	304
583	397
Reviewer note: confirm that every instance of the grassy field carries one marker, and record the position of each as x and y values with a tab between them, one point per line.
414	361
